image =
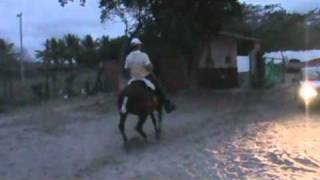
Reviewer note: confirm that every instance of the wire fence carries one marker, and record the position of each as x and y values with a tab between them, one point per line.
44	85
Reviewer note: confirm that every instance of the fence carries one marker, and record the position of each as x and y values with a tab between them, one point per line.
275	73
45	84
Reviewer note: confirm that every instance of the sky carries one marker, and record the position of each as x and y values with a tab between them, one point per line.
243	64
46	18
43	19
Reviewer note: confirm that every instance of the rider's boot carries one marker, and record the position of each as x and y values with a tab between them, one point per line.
169	106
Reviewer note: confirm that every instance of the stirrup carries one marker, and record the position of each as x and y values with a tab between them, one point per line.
169	107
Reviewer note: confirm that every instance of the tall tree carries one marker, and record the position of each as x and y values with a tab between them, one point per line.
62	51
54	51
72	43
45	55
104	43
8	66
110	49
88	55
279	29
180	24
8	55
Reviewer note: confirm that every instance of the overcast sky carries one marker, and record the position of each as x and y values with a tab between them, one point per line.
46	18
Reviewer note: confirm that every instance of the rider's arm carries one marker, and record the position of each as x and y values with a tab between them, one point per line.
148	64
126	68
149	68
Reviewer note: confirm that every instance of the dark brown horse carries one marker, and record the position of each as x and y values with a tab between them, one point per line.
140	100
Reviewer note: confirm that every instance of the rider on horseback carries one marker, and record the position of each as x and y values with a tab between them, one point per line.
140	67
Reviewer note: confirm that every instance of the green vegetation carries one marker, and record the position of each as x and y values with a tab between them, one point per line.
279	29
179	27
8	69
86	52
169	29
182	27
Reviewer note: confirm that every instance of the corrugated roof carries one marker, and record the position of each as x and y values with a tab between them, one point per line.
238	36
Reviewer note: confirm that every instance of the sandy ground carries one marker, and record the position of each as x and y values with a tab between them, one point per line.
213	135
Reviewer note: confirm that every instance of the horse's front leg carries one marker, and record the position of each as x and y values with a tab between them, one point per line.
123	118
156	128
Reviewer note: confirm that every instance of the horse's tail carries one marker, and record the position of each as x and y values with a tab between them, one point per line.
120	99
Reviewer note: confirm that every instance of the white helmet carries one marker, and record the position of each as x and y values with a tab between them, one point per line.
136	41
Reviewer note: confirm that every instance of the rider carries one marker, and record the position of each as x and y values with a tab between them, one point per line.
140	67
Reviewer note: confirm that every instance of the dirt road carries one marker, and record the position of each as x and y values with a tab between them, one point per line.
213	135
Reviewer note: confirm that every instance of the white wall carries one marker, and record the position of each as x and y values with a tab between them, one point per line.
301	55
243	64
243	61
221	47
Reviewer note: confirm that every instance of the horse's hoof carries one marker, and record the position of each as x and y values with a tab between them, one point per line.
126	146
145	140
158	136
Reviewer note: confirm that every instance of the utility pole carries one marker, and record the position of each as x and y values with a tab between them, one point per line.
21	50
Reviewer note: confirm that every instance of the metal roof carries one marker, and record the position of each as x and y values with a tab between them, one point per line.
238	36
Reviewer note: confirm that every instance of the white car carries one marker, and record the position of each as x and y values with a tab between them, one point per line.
309	87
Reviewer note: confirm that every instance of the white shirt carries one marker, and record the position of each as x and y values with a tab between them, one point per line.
136	62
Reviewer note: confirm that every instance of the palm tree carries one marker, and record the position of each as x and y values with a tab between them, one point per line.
61	51
88	55
72	43
104	44
53	57
45	55
7	53
89	43
51	51
54	53
111	49
8	65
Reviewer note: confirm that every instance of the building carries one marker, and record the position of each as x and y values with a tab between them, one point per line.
216	65
218	61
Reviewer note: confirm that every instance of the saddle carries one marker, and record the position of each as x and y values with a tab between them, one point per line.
147	83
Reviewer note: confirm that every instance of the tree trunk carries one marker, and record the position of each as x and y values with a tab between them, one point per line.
98	87
54	83
4	87
6	90
10	84
193	63
47	87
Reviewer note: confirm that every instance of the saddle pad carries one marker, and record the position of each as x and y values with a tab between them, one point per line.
147	82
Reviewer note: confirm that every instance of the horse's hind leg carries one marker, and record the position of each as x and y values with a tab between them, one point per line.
160	111
139	127
154	121
123	118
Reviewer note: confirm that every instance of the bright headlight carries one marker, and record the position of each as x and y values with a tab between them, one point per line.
307	92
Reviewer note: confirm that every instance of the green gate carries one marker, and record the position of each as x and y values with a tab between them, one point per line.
275	74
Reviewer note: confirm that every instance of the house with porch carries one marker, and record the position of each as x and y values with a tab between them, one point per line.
217	66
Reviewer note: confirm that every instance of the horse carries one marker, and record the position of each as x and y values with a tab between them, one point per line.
139	100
